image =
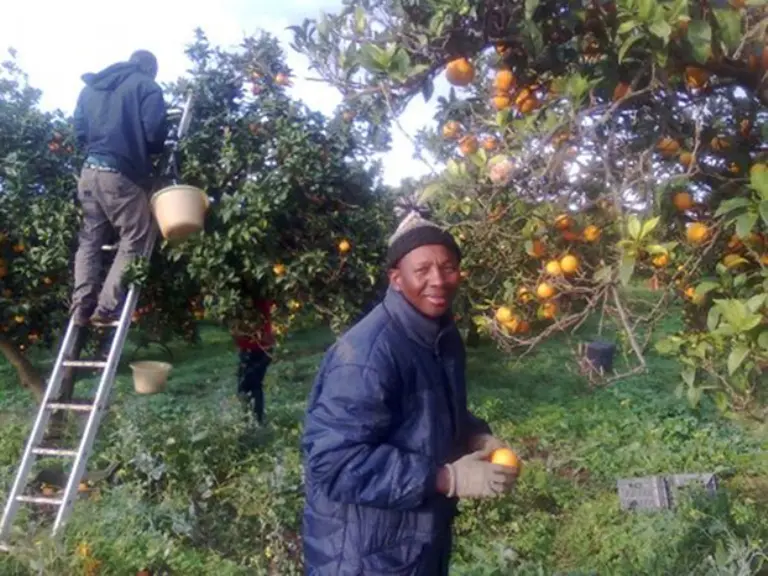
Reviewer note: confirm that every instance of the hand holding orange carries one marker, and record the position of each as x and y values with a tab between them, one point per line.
506	457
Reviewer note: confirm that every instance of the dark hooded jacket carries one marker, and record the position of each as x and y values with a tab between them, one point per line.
387	409
120	119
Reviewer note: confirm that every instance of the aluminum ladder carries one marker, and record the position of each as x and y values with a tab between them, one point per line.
95	408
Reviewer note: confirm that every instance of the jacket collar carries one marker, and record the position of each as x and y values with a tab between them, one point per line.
423	330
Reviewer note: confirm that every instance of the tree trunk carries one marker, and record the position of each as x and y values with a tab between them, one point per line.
28	375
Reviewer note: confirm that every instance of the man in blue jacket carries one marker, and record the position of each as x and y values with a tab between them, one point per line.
389	444
120	120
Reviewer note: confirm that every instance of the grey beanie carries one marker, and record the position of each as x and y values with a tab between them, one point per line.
415	231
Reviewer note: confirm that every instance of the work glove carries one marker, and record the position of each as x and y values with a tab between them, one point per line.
473	476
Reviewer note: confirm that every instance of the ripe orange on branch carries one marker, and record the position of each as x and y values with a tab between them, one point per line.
468	145
569	263
683	201
460	72
697	233
451	130
668	146
504	81
591	233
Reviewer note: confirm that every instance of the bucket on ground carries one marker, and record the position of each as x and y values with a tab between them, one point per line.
179	211
150	377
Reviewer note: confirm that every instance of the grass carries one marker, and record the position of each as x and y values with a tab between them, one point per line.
204	491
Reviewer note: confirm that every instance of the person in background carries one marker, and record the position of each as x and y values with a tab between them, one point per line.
254	360
119	121
389	443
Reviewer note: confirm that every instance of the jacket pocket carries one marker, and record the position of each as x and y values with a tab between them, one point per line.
408	557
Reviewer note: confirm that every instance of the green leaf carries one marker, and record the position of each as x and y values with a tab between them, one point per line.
656	249
626	269
530	8
627	26
694	396
729	23
745	223
713	318
756	302
758	179
429	192
736	357
763	208
706	288
700	38
634	227
645	10
688	374
359	19
649	226
668	346
762	340
732	204
628	43
661	30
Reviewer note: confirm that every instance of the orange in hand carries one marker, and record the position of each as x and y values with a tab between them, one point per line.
505	457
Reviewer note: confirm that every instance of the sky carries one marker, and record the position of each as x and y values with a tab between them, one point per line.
56	42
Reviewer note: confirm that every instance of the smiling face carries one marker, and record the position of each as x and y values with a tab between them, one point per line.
428	277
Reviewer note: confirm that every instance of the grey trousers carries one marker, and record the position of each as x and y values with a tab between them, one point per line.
111	203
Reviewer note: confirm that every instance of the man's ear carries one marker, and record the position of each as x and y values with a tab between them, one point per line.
395	279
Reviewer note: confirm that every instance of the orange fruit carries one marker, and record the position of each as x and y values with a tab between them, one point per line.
718	143
504	314
683	201
522	96
18	248
660	261
696	77
569	264
563	222
344	246
19	319
686	159
732	260
668	146
538	249
278	269
504	81
553	268
451	130
490	143
591	233
512	325
545	291
548	310
524	294
505	457
621	90
468	145
697	233
734	168
282	79
529	105
501	101
524	326
460	72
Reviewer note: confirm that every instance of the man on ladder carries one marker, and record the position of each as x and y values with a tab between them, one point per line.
121	120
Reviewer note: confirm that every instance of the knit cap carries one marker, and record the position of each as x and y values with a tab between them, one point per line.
415	231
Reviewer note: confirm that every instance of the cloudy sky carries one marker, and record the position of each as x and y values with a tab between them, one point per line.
58	41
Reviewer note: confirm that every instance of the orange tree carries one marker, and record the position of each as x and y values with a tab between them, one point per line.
587	146
296	215
37	221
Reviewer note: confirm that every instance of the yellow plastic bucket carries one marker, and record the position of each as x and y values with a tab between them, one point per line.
150	377
179	211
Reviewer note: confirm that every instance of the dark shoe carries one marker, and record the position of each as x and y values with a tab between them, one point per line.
105	319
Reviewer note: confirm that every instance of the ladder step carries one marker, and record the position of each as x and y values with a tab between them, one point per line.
61	452
44	500
95	364
69	406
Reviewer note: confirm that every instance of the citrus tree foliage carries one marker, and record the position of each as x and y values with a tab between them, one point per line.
295	217
588	146
37	220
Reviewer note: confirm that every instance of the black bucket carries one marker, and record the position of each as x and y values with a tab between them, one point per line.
600	354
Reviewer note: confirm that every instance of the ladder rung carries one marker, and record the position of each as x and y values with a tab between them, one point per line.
84	364
69	406
40	500
41	451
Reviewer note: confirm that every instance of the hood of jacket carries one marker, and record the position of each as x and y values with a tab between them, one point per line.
111	77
